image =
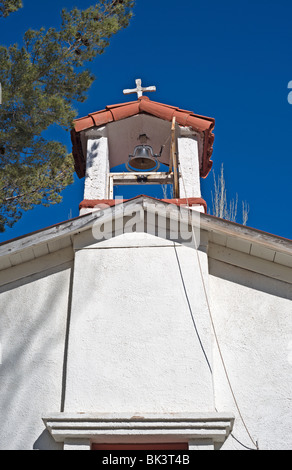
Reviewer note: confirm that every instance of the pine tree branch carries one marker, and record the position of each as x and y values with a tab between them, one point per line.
28	193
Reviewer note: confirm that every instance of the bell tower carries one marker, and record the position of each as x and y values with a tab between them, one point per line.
127	148
140	347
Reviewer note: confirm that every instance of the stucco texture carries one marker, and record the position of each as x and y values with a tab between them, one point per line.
32	333
133	346
252	317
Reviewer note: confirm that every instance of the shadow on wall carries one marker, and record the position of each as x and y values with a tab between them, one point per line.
46	442
33	322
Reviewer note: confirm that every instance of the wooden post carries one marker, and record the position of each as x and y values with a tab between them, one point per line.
173	159
111	186
171	149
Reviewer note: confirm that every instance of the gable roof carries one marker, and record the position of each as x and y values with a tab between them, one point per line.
201	124
246	247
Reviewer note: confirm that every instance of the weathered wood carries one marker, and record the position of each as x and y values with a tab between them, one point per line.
35	266
174	159
133	178
250	263
111	187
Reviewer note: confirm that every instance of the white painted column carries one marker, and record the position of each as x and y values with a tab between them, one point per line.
188	155
97	167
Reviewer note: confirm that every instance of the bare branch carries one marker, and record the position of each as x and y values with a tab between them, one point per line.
220	206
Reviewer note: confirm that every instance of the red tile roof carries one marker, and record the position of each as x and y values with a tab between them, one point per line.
201	124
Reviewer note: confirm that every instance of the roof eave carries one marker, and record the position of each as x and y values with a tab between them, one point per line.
208	223
201	124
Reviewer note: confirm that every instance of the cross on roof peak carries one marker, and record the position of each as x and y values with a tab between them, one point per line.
139	89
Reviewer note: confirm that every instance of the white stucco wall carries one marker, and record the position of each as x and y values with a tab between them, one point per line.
126	329
252	316
188	154
133	345
97	167
33	317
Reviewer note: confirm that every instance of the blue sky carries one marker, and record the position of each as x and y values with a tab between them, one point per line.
228	60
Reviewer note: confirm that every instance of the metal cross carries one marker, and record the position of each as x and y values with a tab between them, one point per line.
139	89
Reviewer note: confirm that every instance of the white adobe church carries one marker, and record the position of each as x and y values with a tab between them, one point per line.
145	323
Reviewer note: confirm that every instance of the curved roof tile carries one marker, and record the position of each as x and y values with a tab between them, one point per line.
201	124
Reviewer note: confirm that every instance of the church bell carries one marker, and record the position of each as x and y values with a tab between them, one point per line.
143	159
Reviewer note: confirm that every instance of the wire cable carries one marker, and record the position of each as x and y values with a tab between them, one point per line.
191	312
213	326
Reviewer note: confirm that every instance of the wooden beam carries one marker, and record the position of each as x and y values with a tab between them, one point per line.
134	178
